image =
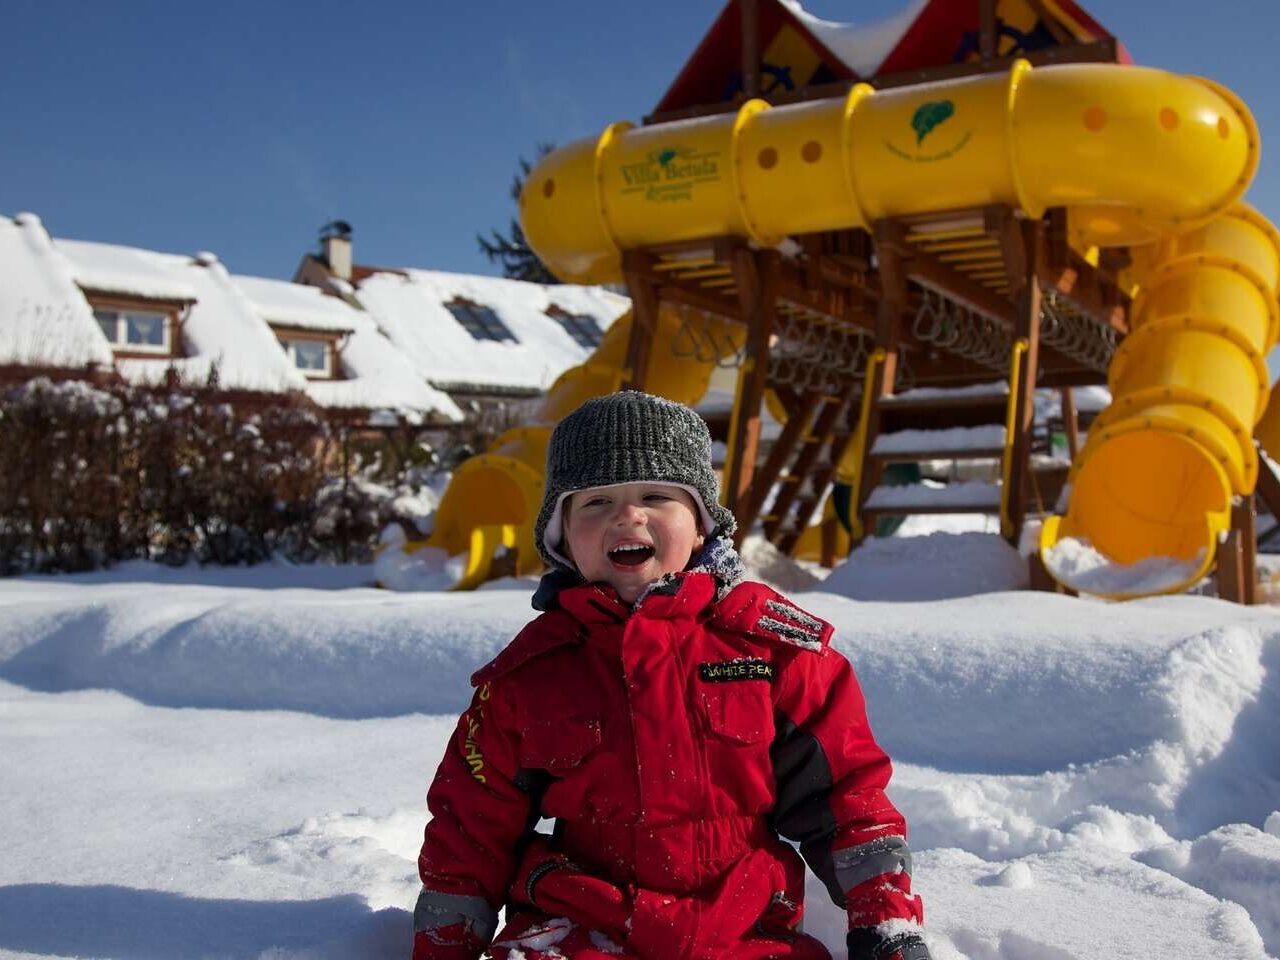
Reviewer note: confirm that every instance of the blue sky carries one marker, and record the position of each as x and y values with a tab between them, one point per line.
242	127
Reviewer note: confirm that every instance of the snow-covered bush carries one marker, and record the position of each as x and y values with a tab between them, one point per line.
90	475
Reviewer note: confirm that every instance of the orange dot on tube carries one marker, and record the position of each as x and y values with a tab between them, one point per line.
1095	118
1169	118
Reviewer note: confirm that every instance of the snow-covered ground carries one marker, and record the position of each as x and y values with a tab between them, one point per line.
232	764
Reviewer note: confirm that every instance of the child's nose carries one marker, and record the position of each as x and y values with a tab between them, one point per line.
631	513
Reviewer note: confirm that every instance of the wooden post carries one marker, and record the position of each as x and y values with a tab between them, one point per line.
750	10
1021	243
756	276
1041	579
892	252
987	29
644	321
829	535
1243	519
1230	568
1268	486
1070	422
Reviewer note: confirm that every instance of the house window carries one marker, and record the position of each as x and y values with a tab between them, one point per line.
313	357
145	331
481	322
582	327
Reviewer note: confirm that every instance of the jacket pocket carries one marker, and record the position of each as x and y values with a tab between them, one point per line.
558	744
740	712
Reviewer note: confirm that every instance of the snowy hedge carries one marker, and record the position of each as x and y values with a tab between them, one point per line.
92	475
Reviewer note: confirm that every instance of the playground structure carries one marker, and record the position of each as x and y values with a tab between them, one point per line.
1042	226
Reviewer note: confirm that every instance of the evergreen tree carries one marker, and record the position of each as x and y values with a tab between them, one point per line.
511	250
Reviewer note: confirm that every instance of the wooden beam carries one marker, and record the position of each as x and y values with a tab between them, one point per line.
1076	376
890	241
1091	290
750	22
1268	486
1231	568
1022	241
987	30
721	306
1244	520
1070	422
937	276
644	323
756	276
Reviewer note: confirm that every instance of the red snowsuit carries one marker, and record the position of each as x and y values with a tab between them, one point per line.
672	745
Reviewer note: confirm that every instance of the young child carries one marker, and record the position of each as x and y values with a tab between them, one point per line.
676	721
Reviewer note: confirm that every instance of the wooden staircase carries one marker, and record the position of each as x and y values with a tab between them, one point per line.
964	425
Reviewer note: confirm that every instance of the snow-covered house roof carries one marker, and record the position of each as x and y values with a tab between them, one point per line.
411	308
220	327
45	320
376	375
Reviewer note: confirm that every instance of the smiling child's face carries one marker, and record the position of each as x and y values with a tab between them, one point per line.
631	534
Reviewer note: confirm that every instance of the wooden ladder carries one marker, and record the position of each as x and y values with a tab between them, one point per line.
803	462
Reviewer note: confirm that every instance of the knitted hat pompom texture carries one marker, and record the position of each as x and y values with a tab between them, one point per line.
629	437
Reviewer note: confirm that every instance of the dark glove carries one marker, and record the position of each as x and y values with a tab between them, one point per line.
867	943
552	883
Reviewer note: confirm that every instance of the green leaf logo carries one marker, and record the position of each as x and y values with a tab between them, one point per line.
666	156
929	116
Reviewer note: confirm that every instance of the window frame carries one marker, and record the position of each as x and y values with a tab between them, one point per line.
289	337
482	322
169	312
576	325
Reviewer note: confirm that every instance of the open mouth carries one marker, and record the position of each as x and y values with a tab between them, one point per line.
631	554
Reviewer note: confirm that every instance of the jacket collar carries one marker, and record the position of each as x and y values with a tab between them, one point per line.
682	595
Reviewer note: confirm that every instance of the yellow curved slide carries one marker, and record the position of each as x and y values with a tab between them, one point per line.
493	499
1139	157
1152	488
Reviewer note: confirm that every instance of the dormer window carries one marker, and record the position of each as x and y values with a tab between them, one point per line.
480	321
137	328
310	356
312	352
581	326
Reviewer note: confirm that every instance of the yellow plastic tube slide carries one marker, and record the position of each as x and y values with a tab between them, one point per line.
1136	153
1138	156
1151	490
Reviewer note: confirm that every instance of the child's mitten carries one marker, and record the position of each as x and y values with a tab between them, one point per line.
869	943
555	885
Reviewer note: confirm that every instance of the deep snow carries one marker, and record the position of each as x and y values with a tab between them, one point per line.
233	763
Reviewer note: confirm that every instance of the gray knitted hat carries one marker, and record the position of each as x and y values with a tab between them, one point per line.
628	437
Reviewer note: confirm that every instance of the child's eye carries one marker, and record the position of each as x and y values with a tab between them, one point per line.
658	497
596	501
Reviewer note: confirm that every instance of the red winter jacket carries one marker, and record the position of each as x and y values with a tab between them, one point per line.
672	745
